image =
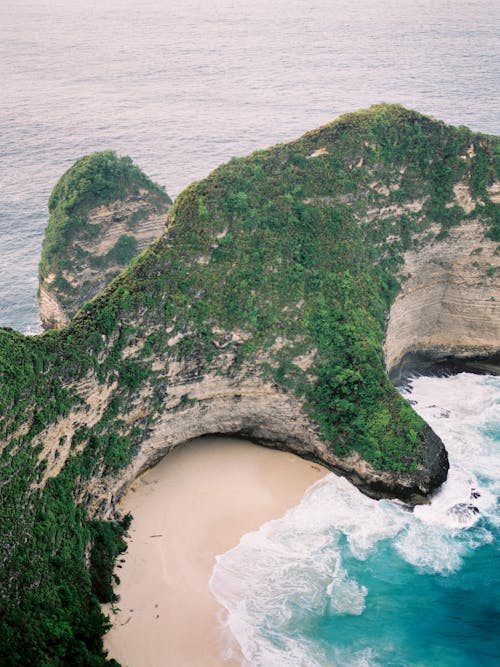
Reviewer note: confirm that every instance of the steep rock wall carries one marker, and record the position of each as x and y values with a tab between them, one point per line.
103	212
225	399
449	305
52	313
92	262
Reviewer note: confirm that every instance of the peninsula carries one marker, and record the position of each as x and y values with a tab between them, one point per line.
287	288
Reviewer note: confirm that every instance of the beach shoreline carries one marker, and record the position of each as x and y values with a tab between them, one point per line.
195	504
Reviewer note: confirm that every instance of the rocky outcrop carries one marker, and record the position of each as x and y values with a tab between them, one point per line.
446	307
261	312
97	242
52	313
449	304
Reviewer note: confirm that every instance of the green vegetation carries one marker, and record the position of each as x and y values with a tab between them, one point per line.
95	179
107	544
49	608
69	268
288	247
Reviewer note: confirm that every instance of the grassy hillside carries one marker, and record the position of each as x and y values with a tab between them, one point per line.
298	248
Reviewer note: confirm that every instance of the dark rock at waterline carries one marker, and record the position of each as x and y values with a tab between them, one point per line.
463	512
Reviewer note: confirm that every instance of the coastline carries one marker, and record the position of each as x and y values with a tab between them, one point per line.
195	504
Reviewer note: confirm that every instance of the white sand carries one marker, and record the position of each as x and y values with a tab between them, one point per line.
195	504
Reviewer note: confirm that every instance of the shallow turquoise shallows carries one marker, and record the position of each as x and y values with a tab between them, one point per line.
348	581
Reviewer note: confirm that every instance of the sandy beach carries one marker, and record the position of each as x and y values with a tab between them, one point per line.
193	505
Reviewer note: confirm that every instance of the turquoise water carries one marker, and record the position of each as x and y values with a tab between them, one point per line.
348	581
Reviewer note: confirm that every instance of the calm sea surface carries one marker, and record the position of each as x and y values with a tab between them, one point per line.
183	86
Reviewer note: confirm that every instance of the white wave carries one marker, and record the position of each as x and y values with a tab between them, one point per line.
346	595
346	658
458	408
282	578
471	403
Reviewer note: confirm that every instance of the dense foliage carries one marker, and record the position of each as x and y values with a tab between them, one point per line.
98	211
94	179
289	248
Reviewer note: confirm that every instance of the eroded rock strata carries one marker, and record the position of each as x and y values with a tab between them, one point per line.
285	287
448	307
103	212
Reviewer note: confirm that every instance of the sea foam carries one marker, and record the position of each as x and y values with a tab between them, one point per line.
283	586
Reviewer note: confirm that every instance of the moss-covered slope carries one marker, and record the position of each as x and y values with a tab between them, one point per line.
103	211
261	311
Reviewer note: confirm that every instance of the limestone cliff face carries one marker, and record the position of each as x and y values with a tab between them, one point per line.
228	399
52	312
449	304
97	242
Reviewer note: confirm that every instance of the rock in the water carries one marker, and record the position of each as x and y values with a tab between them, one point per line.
463	512
103	212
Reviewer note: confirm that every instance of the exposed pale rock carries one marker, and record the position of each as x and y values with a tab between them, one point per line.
318	153
463	197
51	311
392	210
175	339
493	191
305	361
383	188
93	261
56	439
133	349
449	306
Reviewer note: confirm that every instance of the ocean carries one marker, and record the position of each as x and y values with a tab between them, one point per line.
348	581
181	87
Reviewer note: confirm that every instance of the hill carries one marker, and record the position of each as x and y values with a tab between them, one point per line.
285	288
103	212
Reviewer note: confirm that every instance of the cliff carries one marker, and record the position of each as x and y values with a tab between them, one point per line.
448	308
103	212
285	287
